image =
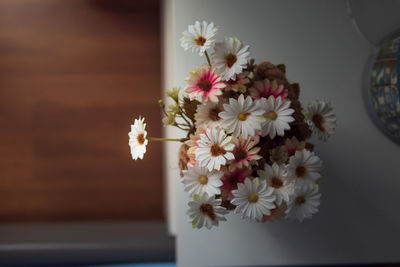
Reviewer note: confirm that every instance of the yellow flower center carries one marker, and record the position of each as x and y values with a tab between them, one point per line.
140	138
253	198
301	171
203	179
200	40
271	115
300	200
243	116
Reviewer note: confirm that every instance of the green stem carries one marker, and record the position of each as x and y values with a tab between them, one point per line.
208	58
167	139
180	127
183	117
183	125
182	113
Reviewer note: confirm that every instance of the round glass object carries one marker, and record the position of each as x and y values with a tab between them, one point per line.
384	90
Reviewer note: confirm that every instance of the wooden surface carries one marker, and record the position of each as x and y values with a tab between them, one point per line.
73	75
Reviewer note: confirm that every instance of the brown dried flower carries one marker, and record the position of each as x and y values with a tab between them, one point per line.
269	71
183	158
279	155
292	145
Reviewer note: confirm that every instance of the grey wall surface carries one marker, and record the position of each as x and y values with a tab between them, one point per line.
376	19
358	219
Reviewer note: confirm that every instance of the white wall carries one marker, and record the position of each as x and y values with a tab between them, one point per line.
358	219
171	181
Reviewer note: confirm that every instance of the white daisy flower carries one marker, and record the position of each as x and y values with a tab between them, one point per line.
199	180
242	117
205	211
230	58
253	199
304	166
214	149
321	118
138	139
304	202
199	37
276	177
277	114
207	115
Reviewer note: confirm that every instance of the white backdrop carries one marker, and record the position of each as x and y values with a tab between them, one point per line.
358	219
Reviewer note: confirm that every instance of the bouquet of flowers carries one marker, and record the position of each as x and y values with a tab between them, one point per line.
246	146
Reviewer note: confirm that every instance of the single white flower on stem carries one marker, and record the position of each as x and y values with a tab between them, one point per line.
138	139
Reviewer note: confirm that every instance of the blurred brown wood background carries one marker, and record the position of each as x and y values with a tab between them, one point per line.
73	75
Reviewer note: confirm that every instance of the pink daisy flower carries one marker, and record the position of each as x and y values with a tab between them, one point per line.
276	213
239	84
231	179
245	151
292	145
192	143
204	84
266	89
